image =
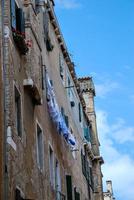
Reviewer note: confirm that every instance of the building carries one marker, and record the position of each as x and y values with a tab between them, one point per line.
108	195
88	93
1	109
49	137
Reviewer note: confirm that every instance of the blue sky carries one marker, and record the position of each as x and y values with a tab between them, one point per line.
100	38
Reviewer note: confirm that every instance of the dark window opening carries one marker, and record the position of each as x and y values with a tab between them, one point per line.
51	166
61	66
17	18
18	27
87	170
79	107
69	88
69	187
67	121
76	194
18	112
39	147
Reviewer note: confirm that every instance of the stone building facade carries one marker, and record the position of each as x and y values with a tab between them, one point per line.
48	128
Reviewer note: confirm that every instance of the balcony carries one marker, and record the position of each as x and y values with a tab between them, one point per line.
33	90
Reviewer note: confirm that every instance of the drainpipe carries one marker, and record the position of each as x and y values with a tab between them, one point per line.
5	68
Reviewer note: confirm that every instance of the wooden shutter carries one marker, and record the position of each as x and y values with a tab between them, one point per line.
62	111
67	121
20	20
46	24
69	187
61	66
13	13
89	130
86	133
79	107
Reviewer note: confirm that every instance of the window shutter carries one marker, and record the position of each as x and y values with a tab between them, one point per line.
43	72
61	66
67	121
13	14
69	86
89	130
20	20
62	111
87	133
69	187
79	107
46	24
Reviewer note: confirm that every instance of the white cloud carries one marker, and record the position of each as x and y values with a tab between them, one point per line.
118	167
121	171
124	134
105	88
68	4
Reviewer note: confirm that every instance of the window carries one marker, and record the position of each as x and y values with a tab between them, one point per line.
61	66
39	147
79	107
18	194
46	24
65	117
66	121
43	75
69	86
69	187
62	112
87	133
18	28
51	166
57	179
17	18
76	194
86	170
18	119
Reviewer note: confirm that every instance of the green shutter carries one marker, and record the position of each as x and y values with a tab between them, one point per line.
13	13
67	121
79	107
87	134
20	23
69	187
62	111
89	130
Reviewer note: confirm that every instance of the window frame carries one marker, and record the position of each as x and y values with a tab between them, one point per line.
18	113
40	153
51	167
